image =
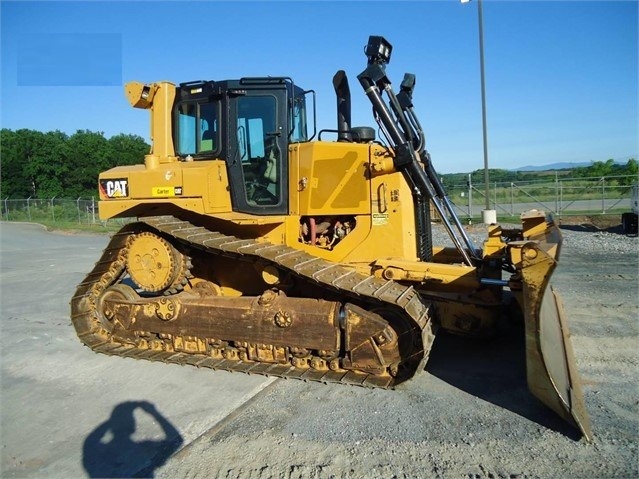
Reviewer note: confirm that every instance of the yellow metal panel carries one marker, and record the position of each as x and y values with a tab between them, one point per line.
252	220
205	181
133	208
216	188
332	178
142	182
271	229
391	224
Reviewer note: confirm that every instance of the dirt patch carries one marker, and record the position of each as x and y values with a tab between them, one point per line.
610	223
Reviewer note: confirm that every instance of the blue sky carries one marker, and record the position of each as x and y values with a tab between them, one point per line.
561	77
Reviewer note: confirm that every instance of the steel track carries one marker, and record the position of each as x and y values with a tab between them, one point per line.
331	276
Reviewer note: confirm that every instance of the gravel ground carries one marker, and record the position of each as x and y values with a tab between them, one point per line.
470	414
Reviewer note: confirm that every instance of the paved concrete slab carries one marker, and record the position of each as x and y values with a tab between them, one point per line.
68	412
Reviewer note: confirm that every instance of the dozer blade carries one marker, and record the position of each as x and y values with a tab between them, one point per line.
550	363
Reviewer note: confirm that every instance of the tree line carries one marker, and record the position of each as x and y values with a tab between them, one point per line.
53	164
599	169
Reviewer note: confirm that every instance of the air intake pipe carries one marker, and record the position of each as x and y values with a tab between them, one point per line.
343	93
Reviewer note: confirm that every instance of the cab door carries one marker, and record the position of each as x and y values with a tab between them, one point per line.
258	166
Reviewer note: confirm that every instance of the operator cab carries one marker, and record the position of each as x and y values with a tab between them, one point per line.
248	123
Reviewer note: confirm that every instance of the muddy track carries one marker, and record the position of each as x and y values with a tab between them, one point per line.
332	277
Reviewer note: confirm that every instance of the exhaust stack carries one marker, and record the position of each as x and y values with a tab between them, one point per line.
343	93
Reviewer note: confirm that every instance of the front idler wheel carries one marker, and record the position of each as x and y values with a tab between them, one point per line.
109	306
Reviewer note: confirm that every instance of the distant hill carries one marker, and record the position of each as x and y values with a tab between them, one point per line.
560	166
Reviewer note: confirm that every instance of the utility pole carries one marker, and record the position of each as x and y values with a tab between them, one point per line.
480	18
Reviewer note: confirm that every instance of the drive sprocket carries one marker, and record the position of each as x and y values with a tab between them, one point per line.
153	264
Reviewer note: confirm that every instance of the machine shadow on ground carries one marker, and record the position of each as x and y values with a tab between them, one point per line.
110	450
494	370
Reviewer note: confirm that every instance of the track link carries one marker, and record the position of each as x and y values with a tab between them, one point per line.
330	276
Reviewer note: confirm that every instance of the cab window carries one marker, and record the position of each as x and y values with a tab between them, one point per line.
197	128
298	120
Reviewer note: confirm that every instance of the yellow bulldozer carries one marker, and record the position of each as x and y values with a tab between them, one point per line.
260	248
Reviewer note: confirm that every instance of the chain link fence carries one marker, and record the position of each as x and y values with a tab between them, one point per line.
55	210
560	196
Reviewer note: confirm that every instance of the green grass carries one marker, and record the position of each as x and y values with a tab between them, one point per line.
72	226
81	227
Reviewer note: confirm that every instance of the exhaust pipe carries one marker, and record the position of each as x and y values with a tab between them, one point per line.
343	93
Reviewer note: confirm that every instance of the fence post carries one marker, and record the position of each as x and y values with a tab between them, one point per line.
556	194
93	210
512	201
603	194
561	198
78	208
470	199
6	207
28	208
52	210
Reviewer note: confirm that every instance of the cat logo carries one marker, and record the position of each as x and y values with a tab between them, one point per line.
114	188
